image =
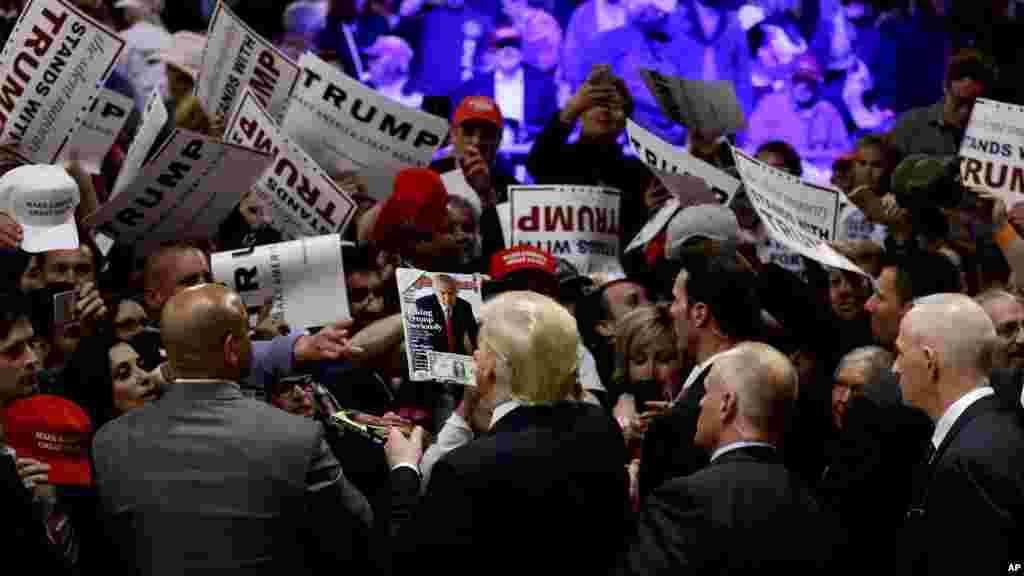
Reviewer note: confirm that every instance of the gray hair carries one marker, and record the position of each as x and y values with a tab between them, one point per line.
875	360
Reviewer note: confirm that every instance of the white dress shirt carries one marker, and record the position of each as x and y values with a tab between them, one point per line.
697	371
501	410
723	450
510	94
955	411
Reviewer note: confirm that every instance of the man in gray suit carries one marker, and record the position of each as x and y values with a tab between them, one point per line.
207	481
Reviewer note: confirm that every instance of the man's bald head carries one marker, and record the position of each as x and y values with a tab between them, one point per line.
945	349
957	328
205	331
751	391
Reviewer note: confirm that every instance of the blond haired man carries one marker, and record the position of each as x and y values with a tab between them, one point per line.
550	472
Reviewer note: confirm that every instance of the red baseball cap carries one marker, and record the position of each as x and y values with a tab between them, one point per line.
418	201
54	431
478	108
522	258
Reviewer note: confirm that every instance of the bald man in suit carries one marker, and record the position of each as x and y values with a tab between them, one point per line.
967	511
744	512
208	481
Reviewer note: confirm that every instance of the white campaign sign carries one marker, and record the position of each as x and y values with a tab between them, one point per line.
153	120
992	152
672	166
53	65
347	127
798	215
305	279
237	58
95	136
303	201
578	223
189	187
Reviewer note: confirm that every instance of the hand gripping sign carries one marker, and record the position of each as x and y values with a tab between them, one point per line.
51	70
303	200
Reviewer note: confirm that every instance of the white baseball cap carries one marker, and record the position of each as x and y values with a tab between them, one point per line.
43	199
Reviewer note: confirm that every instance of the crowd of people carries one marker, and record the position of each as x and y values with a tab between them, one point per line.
712	402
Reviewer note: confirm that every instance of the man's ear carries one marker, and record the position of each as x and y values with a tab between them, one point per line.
700	314
932	358
232	351
729	407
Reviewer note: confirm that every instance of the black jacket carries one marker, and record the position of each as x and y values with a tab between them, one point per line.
545	481
969	513
744	513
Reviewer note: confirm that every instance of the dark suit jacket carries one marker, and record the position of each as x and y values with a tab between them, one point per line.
668	450
206	481
540	95
972	509
744	513
545	491
463	324
1008	384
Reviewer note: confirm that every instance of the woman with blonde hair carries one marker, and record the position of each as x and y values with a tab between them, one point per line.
647	365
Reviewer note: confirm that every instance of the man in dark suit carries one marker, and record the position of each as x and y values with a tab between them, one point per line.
524	94
454	316
715	307
970	502
744	512
207	481
549	476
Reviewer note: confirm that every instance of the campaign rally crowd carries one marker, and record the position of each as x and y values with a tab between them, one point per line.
699	286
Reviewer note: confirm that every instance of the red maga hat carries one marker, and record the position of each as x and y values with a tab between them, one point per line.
54	431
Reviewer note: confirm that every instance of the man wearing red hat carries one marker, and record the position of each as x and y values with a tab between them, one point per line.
476	133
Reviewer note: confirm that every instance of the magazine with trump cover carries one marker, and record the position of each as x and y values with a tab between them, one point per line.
439	316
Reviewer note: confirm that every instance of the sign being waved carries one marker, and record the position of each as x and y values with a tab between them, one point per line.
347	127
52	67
302	199
237	58
187	190
992	152
800	216
304	280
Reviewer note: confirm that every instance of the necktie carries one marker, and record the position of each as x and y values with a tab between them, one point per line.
451	335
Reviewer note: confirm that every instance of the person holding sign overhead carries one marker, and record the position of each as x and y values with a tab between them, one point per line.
601	107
